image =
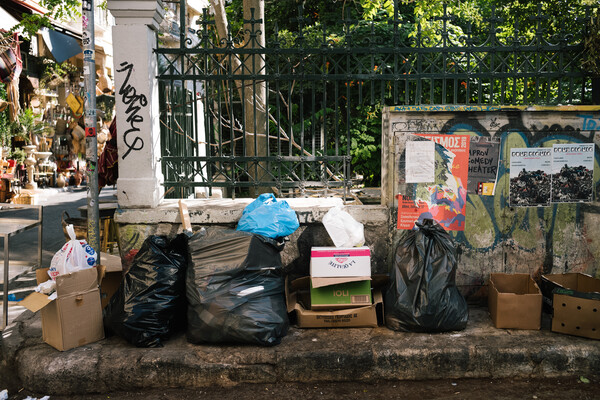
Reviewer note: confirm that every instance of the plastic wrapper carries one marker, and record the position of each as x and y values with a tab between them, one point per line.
343	229
235	289
150	304
269	217
46	287
73	256
422	296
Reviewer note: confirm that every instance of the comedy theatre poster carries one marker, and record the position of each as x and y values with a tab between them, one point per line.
444	197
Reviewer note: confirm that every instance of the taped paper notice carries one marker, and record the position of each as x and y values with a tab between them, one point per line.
420	162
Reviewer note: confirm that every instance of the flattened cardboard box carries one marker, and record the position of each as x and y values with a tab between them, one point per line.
74	318
329	262
514	301
575	300
298	298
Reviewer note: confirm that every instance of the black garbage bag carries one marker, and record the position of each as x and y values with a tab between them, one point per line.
422	295
235	289
150	304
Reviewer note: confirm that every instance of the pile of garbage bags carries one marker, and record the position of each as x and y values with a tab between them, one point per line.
227	286
222	285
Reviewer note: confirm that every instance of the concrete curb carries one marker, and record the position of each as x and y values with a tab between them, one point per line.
305	355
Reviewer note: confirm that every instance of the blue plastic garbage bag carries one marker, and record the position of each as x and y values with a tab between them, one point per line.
268	217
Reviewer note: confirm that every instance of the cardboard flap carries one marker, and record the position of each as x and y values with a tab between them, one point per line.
35	301
299	283
185	216
41	275
80	281
111	262
291	297
320	282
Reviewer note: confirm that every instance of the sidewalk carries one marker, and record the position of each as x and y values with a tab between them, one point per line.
305	355
55	201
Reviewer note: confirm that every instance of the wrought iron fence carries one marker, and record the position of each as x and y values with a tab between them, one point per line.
291	114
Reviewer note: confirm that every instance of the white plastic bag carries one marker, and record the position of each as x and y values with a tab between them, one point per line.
344	230
73	256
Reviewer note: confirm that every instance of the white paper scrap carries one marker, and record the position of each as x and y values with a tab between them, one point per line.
420	161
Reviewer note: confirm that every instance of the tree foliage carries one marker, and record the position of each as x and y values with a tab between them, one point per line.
331	22
57	10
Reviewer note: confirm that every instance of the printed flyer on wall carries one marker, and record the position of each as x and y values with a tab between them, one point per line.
530	175
420	161
443	199
572	172
484	155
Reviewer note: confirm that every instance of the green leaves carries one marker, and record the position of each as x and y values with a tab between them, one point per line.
57	10
591	42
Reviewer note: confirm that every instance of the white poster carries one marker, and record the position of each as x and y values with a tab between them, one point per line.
420	161
530	176
572	172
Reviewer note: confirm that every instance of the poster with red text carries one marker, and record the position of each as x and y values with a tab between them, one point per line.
445	198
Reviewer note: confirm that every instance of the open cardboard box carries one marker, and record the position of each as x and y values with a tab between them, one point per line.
514	301
340	277
575	302
298	304
71	317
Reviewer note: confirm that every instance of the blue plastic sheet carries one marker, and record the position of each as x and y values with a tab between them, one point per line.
269	217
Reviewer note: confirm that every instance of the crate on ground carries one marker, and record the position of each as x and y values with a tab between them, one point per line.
575	302
25	198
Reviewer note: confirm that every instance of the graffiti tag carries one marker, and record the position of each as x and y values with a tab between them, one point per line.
135	102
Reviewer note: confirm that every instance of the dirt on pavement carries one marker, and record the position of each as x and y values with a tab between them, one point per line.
580	388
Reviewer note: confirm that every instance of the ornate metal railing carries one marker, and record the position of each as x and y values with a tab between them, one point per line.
286	115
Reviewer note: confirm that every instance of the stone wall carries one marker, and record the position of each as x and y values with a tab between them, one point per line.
135	225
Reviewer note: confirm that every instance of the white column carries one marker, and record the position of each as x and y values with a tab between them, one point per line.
136	94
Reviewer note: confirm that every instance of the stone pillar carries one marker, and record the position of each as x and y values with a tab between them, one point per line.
136	94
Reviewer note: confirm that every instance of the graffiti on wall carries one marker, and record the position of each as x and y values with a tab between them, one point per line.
442	191
498	237
135	102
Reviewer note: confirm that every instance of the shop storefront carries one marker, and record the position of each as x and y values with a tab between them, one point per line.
41	126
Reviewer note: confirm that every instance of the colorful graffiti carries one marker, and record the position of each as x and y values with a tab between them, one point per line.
499	238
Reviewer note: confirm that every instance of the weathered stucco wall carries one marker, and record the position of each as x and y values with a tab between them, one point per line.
135	225
498	238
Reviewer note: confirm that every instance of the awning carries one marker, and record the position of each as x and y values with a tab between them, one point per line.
7	21
60	45
31	5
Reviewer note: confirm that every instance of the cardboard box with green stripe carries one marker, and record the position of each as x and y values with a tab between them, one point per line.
340	277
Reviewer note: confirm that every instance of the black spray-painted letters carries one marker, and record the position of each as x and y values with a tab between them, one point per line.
134	102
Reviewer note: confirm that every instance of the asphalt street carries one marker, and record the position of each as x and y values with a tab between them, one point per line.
24	246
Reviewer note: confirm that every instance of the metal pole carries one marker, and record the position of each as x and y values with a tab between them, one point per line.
91	149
